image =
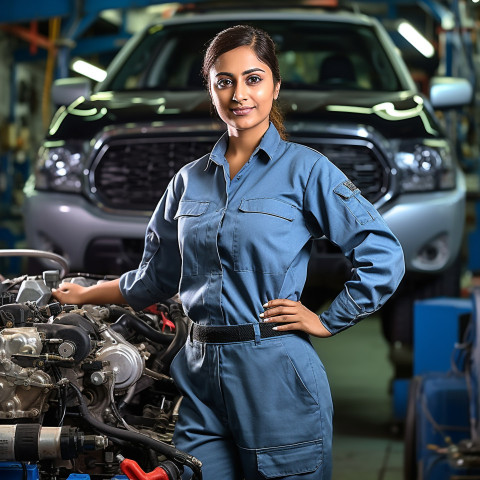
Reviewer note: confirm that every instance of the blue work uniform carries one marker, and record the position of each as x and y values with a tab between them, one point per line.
260	408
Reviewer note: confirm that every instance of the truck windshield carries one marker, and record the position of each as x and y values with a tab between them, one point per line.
313	55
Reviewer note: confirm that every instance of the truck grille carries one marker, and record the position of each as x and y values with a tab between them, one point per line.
360	164
132	174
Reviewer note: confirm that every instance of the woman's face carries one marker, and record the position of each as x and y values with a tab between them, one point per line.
242	90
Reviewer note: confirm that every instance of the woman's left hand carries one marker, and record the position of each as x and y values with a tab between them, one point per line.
291	315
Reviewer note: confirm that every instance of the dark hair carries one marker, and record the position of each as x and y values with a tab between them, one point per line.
264	48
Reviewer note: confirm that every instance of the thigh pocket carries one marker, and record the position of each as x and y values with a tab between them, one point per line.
268	402
294	459
308	368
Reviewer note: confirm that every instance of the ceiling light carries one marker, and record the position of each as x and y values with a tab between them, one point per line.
88	70
414	37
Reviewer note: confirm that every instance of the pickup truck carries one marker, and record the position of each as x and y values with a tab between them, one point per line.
110	153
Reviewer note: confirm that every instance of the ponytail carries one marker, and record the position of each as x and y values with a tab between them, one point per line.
276	117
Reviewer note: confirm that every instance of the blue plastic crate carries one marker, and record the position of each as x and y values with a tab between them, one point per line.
436	331
15	470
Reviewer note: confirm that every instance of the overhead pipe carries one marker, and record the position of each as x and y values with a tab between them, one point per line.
29	36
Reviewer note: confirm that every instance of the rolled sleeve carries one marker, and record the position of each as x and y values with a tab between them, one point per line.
335	208
158	275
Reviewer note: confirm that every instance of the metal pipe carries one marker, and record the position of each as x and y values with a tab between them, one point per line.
62	261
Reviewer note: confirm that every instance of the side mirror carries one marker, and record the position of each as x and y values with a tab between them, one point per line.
450	92
66	90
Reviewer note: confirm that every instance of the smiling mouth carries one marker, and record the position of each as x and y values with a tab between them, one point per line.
242	110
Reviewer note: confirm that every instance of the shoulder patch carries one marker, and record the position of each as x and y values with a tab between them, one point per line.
350	185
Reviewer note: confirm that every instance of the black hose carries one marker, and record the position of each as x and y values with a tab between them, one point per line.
116	311
130	322
153	459
182	458
180	320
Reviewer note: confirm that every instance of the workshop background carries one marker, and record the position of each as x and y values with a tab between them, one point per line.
385	427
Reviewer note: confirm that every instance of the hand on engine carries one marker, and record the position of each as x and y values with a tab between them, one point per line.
99	294
69	293
291	315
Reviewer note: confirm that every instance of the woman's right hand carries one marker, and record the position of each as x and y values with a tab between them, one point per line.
99	294
69	293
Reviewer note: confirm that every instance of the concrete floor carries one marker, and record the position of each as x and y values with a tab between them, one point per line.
364	445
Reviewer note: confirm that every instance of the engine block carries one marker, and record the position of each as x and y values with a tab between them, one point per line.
23	391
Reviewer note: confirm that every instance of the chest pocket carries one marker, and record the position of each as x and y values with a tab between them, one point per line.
190	217
263	235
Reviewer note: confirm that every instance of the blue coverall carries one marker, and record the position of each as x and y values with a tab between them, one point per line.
261	408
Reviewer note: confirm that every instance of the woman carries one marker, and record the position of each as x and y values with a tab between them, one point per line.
232	234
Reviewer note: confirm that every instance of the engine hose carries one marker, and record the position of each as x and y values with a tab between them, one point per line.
170	452
165	471
116	311
181	331
130	322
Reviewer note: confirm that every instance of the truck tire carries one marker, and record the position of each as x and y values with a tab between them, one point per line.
397	314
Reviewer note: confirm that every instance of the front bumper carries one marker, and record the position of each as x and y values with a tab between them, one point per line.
68	224
429	227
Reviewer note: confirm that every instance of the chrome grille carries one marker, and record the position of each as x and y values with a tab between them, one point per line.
360	164
132	174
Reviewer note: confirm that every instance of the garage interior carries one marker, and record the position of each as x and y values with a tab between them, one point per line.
377	382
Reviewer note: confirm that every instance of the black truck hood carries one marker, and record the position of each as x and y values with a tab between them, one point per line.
393	114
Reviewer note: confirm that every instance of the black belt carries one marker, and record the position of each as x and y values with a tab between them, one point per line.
233	333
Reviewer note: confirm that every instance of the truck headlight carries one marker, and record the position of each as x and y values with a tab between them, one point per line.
60	168
425	165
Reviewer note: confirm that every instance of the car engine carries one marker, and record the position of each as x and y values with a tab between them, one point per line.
85	389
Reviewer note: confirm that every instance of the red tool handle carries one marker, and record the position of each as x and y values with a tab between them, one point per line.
134	472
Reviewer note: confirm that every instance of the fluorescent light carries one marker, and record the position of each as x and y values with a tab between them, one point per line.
416	39
88	70
448	20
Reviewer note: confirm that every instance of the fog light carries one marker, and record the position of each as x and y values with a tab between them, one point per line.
434	255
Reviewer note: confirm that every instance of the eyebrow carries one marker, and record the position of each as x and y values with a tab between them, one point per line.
246	72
